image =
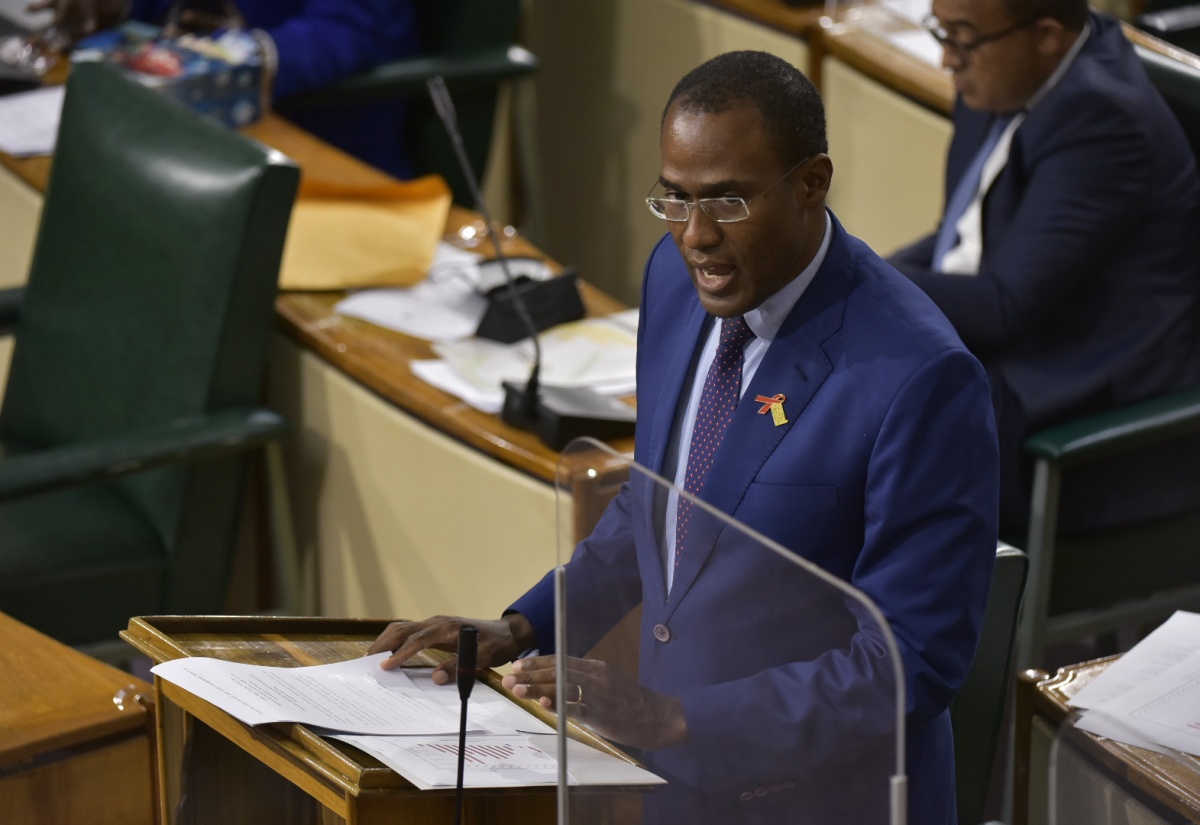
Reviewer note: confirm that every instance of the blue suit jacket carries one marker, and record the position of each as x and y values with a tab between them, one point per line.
1088	293
885	476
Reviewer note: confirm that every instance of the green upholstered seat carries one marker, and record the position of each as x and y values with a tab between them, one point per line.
1124	577
141	339
469	43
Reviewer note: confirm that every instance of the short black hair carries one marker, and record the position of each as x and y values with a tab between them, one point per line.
1071	13
790	105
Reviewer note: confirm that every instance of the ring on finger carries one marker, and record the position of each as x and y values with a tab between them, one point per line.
578	695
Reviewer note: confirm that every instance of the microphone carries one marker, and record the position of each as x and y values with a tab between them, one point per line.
468	640
557	414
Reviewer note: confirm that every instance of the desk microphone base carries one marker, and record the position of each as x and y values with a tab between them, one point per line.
561	414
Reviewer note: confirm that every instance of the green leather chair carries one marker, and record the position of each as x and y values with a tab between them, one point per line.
1104	581
137	368
977	712
469	43
1175	21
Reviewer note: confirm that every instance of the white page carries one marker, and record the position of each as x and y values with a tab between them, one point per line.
487	710
29	121
577	354
448	304
1164	710
1173	641
919	44
355	695
497	761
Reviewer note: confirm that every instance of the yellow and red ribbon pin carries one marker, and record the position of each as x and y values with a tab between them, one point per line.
773	405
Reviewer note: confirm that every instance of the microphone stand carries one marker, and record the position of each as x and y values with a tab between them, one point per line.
557	414
444	107
468	637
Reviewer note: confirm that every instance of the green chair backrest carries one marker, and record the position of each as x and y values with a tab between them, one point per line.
450	29
978	709
1179	84
151	294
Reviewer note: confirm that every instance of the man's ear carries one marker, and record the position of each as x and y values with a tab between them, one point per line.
1052	39
815	178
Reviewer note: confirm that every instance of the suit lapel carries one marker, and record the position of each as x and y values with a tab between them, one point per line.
795	366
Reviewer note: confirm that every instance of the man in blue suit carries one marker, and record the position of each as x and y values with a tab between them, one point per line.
1068	257
880	468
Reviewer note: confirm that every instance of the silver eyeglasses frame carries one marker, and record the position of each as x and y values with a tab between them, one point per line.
726	209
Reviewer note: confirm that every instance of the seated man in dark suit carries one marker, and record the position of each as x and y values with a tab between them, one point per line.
1068	257
309	43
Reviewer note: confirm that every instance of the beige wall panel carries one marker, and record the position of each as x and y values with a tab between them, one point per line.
20	209
606	71
888	159
403	521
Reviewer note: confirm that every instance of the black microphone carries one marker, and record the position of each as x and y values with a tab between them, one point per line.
557	414
468	641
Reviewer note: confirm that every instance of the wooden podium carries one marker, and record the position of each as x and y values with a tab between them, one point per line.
75	736
1164	788
214	768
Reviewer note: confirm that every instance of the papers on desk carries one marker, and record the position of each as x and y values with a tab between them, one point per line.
402	718
1150	697
912	11
919	44
29	121
596	353
447	305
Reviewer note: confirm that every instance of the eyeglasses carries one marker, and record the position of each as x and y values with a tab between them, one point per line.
962	51
727	209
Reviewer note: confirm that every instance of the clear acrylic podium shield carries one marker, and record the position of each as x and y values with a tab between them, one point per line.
756	688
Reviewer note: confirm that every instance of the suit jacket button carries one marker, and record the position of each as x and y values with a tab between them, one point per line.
662	632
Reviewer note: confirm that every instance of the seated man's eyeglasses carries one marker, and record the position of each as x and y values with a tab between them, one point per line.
962	49
727	209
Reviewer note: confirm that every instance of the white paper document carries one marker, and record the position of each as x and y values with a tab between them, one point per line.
596	353
917	43
497	761
448	304
403	719
1150	697
29	121
354	696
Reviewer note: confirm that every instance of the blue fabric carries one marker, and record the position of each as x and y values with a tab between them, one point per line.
1088	292
321	42
885	476
964	192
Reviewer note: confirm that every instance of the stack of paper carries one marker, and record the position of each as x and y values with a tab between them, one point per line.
403	719
597	353
1150	697
29	121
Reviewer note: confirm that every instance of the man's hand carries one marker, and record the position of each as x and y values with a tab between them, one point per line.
499	642
613	704
82	17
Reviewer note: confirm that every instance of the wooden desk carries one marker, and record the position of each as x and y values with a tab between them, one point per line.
69	753
384	468
216	769
1161	788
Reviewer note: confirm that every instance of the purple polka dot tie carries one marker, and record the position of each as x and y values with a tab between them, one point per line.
718	400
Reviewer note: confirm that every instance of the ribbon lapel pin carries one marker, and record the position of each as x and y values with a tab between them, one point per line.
773	405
